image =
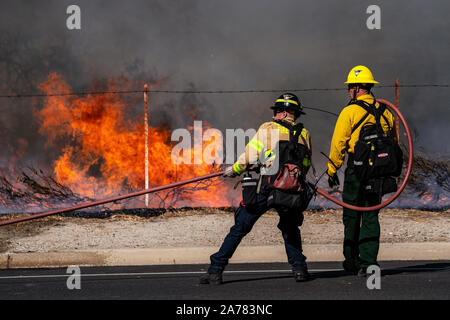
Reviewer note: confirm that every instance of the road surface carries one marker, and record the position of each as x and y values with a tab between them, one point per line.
264	281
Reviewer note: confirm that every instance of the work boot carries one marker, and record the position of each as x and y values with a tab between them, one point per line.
211	278
350	266
301	275
362	273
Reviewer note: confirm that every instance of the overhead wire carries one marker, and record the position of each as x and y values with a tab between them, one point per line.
31	95
81	93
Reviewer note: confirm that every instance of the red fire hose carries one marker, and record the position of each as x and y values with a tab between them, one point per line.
216	174
112	199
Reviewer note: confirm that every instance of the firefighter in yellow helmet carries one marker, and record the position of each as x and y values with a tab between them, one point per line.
361	229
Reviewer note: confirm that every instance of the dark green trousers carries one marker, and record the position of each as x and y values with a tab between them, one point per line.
361	229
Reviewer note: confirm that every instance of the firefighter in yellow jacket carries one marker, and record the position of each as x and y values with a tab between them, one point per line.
361	229
263	146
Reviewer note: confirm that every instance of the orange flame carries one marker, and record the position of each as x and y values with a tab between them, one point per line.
104	142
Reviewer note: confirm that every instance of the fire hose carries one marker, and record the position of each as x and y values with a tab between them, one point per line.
219	173
113	199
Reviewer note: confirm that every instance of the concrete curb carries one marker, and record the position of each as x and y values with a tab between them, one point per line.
200	255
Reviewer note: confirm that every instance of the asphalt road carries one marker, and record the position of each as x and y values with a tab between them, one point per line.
265	281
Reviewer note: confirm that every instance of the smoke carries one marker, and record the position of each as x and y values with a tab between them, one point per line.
225	45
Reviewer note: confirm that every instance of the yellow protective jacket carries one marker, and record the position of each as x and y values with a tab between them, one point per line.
263	143
344	141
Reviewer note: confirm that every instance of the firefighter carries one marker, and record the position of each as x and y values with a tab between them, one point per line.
361	229
287	109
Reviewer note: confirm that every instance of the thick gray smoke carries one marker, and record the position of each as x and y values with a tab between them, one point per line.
227	45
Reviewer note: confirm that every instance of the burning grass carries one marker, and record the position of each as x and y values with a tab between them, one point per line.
103	150
33	190
99	153
427	172
429	183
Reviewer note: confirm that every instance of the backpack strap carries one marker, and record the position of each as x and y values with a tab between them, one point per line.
288	126
294	130
381	110
371	109
298	132
366	107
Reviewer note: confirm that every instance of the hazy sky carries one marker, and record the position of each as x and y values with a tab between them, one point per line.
232	45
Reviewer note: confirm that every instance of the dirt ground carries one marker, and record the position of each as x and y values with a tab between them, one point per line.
198	228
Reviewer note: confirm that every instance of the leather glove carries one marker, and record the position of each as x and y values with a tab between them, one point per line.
333	181
230	173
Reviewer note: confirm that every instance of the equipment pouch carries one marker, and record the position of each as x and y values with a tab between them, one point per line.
389	185
380	186
279	199
376	156
307	195
249	186
288	178
360	161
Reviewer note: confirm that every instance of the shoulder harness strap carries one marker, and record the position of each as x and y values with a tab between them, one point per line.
294	130
366	107
371	109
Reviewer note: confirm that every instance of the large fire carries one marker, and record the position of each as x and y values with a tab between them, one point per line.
104	141
99	152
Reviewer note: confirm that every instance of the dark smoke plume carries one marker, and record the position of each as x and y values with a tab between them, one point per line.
223	45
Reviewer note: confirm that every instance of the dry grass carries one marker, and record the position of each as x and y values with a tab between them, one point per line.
413	214
205	227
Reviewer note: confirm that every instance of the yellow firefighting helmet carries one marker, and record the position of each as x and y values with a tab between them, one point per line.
360	74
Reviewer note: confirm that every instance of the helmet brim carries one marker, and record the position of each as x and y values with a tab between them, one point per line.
297	111
356	82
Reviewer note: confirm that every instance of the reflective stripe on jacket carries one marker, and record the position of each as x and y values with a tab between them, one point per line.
262	143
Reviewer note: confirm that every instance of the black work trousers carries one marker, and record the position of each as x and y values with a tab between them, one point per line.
361	228
245	218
